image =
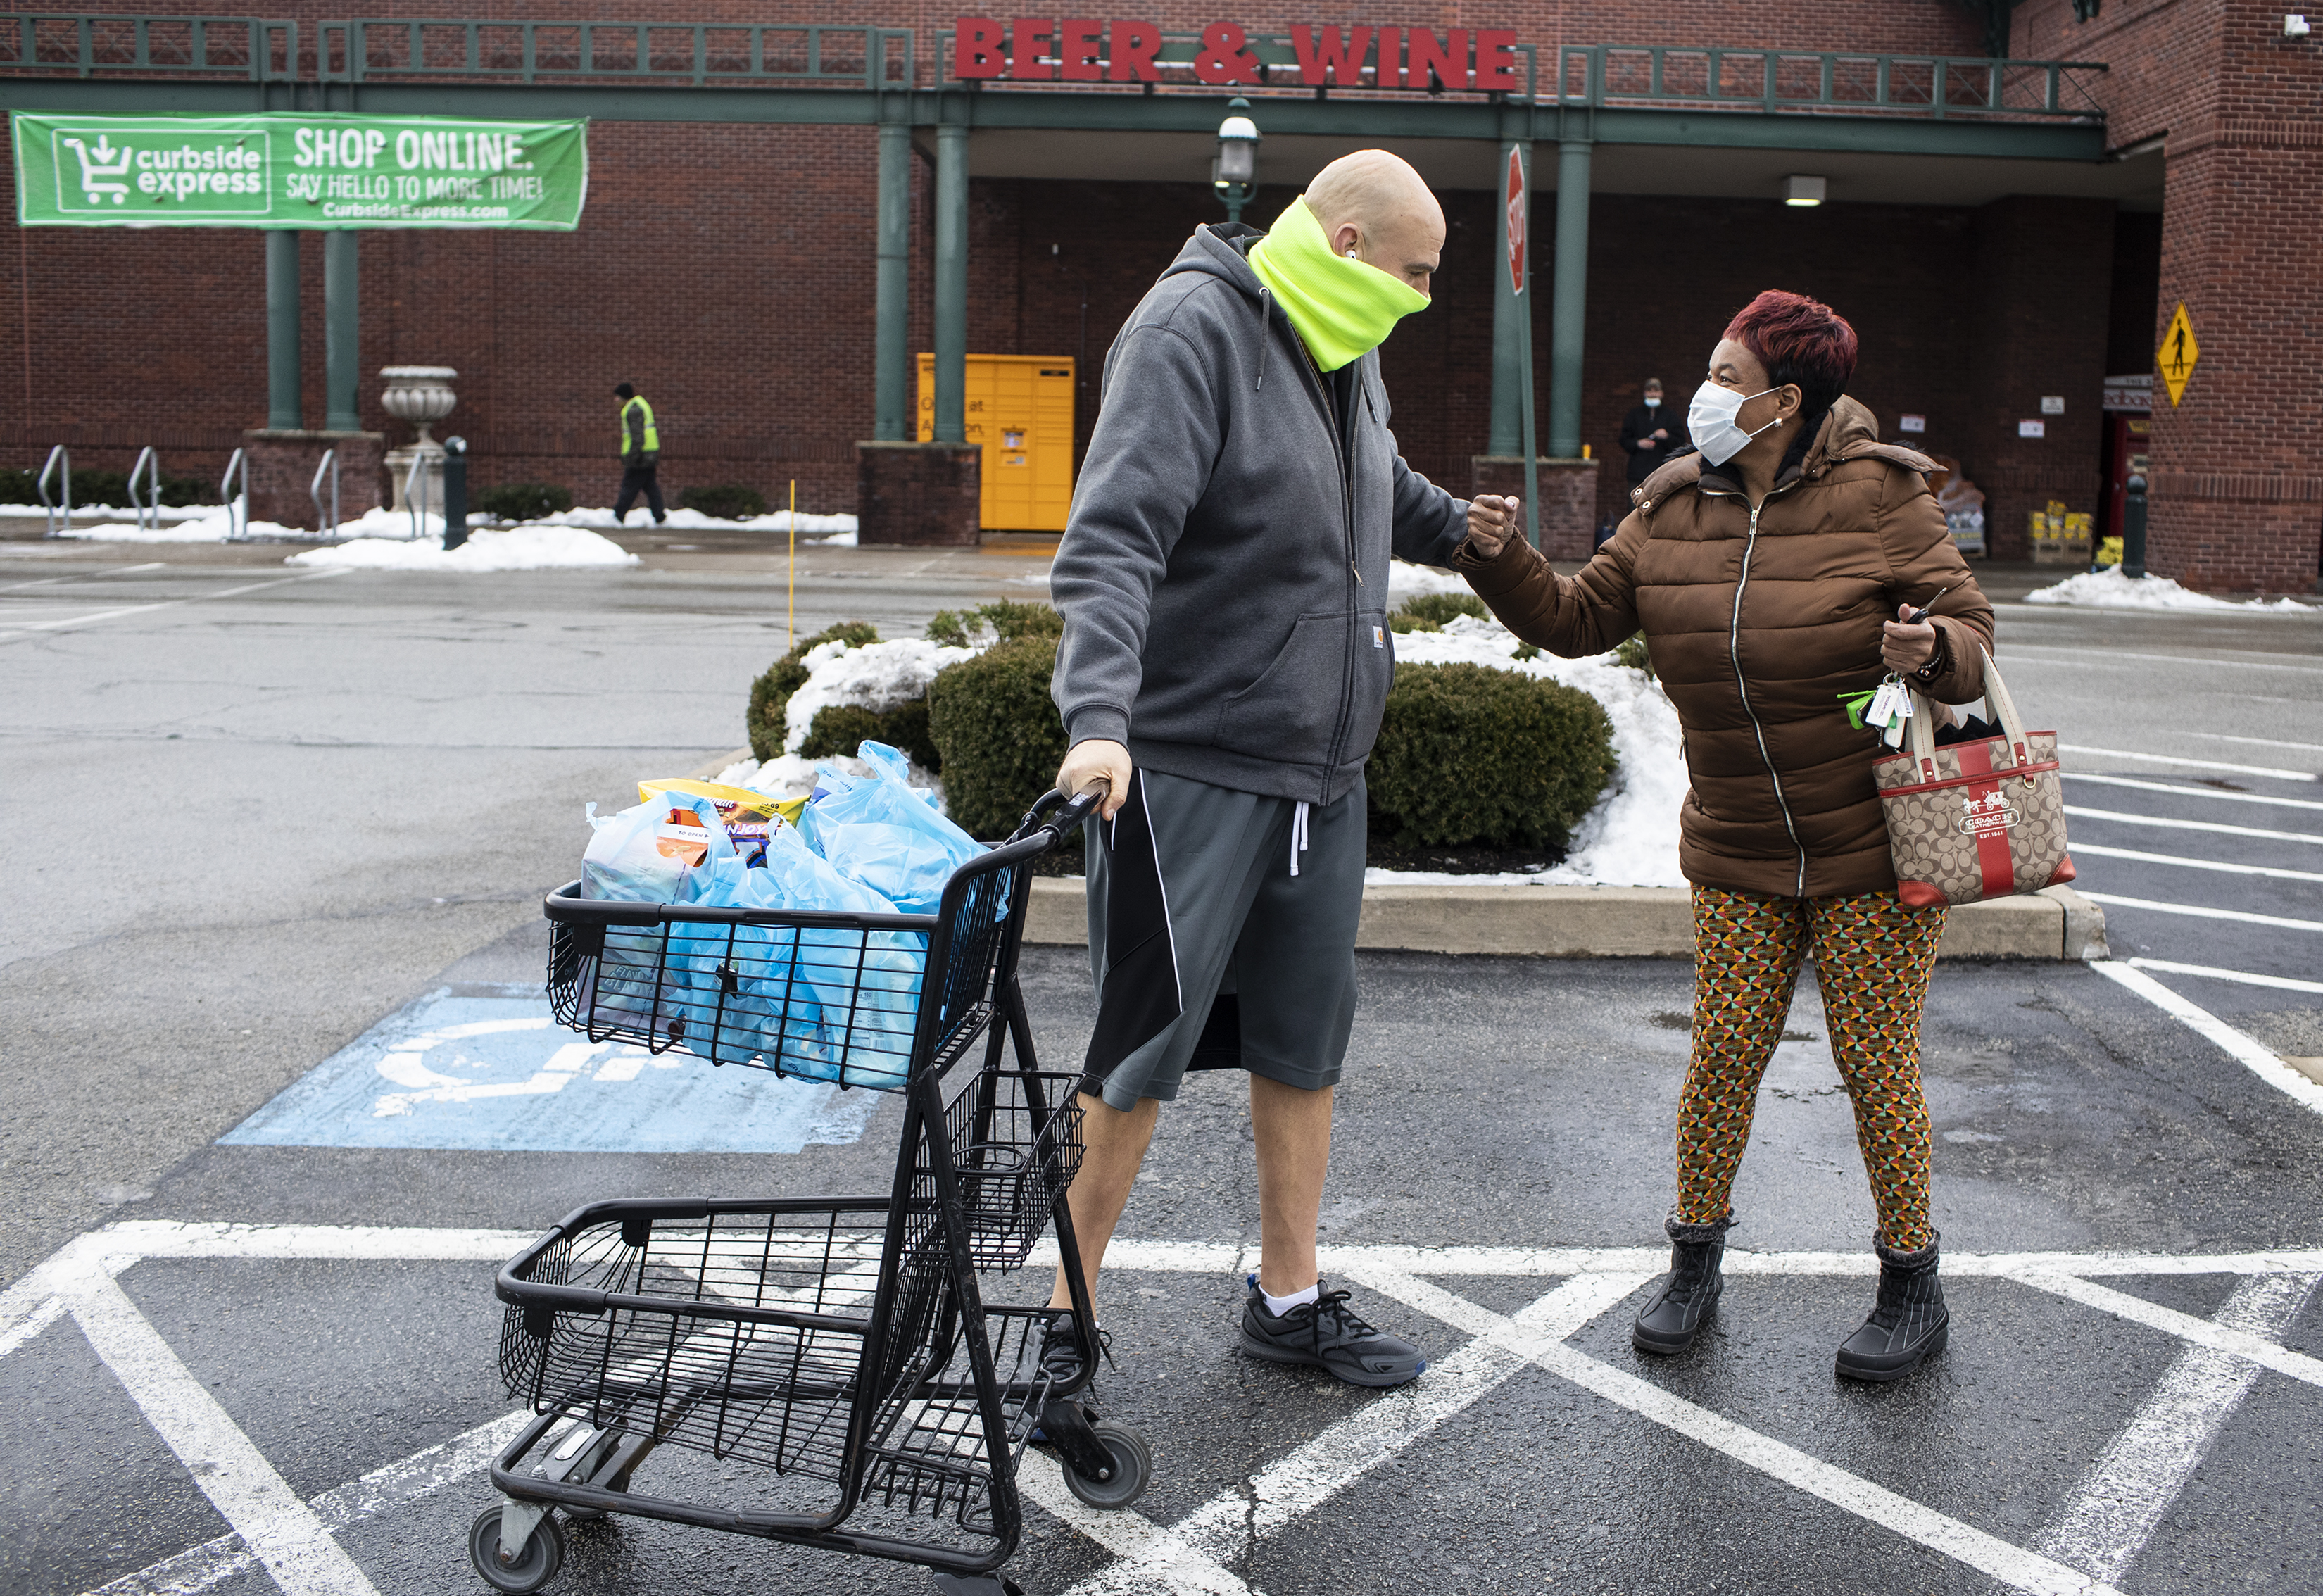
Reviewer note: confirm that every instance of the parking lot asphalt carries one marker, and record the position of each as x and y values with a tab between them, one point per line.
336	797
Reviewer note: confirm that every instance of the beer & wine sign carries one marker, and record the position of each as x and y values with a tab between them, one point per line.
1088	51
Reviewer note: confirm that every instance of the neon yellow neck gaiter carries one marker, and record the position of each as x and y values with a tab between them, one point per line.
1341	309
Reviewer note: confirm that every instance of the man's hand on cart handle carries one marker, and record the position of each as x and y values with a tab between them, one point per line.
1093	761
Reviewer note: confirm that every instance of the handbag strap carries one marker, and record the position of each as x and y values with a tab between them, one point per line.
1921	725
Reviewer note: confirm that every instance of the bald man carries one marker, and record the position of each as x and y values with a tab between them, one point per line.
1224	579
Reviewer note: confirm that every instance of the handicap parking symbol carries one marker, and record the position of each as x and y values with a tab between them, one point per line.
496	1072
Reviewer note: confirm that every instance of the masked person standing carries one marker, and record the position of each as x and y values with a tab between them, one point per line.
1652	435
1224	664
641	456
1791	556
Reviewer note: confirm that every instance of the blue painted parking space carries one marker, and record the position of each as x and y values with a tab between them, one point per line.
494	1071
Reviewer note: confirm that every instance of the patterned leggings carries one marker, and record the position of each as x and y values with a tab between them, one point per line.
1873	958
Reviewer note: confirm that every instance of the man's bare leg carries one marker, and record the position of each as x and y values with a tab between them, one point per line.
1292	1127
1113	1145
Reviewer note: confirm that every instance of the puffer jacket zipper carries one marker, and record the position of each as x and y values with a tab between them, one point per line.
1734	655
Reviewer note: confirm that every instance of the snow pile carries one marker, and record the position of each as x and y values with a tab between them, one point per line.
1631	838
879	677
127	512
210	523
517	548
838	529
1405	580
2109	588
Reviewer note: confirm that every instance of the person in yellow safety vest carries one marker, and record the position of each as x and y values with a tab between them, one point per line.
641	456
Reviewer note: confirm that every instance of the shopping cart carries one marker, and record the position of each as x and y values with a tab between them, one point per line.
832	1356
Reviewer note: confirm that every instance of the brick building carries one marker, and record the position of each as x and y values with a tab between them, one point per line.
1999	236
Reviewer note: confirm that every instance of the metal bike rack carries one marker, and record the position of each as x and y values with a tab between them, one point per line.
329	463
415	495
60	516
236	497
148	508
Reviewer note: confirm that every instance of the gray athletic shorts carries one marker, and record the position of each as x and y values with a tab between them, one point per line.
1204	942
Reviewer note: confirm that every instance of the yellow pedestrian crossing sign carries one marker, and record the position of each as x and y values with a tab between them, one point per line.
2178	354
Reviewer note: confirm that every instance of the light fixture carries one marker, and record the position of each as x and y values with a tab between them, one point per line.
2294	25
1233	175
1803	191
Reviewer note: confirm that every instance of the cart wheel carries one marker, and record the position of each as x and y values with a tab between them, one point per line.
543	1554
1133	1469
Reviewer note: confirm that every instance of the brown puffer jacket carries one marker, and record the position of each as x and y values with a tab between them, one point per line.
1757	625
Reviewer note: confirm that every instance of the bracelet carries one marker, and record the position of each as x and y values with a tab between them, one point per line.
1938	661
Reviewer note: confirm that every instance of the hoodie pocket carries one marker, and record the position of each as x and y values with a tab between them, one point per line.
1292	713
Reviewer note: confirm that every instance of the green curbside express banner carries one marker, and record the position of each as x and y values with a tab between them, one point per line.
286	170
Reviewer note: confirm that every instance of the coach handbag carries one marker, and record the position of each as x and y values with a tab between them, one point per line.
1975	820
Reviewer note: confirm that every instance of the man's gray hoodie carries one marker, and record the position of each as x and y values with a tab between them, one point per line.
1224	573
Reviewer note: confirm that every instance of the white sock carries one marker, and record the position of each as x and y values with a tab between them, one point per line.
1280	1305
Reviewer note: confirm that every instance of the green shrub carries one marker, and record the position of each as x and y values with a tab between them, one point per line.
525	501
727	501
1631	652
998	732
1004	620
1429	612
841	728
771	693
1471	755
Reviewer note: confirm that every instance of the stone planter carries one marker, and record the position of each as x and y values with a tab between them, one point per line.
423	396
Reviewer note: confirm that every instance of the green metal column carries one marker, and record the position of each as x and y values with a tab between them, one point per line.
891	349
282	408
1571	306
342	329
951	285
1508	333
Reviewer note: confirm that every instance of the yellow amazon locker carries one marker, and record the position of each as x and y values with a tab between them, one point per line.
1020	412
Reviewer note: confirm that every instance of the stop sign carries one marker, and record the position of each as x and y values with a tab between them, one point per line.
1516	198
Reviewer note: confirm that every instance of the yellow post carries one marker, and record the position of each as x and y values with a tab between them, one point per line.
793	602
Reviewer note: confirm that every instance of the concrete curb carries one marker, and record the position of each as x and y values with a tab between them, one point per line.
1614	922
1593	921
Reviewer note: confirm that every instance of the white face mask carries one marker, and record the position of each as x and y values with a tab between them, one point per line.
1710	418
1653	401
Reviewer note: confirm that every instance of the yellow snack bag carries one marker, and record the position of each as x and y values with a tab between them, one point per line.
735	803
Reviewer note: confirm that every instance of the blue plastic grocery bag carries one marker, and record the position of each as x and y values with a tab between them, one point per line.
655	973
887	834
827	1002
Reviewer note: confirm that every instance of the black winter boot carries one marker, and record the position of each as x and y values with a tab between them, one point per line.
1908	1324
1672	1315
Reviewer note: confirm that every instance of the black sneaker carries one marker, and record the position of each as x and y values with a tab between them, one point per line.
1328	1335
1056	1355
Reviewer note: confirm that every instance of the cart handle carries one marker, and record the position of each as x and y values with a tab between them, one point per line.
1067	816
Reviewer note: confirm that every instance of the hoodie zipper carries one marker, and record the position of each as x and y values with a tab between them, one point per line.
1734	655
1339	430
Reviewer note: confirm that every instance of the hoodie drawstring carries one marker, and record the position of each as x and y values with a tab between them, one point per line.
1298	834
1265	337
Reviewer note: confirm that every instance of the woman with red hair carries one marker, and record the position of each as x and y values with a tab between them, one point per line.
1773	573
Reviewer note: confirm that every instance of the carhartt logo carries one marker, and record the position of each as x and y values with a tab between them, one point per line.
103	170
1986	816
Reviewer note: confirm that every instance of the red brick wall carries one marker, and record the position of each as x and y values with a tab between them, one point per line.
2237	496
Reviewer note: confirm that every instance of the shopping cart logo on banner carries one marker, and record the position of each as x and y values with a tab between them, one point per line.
103	170
168	174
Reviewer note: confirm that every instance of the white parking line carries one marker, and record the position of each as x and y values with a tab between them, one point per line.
2121	1500
2092	850
2114	901
382	1491
2081	811
2259	1061
2244	977
295	1538
2250	659
2129	780
2263	742
71	622
2265	770
91	576
282	1531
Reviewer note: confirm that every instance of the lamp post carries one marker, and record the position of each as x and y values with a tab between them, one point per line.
1234	174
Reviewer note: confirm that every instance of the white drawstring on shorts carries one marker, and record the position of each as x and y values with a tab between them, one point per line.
1298	835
